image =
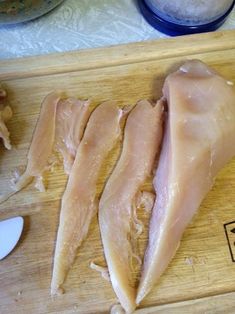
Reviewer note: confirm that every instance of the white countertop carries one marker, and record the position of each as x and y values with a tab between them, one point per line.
78	24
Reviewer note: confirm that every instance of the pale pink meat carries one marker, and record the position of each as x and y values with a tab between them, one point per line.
79	203
71	118
117	217
199	140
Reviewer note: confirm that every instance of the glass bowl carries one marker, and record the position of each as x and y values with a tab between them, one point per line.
12	12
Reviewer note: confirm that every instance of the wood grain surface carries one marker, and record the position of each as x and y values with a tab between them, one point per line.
201	276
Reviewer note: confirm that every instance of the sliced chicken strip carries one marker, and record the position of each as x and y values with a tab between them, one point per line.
199	140
42	142
142	138
41	146
71	118
79	202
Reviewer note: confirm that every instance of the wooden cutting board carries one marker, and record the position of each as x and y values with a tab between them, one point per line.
201	277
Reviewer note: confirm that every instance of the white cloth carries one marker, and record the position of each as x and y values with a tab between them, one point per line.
78	24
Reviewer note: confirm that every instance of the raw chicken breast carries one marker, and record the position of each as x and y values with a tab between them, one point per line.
199	140
117	208
79	203
71	118
5	115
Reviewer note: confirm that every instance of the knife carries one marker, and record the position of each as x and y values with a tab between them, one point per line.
10	232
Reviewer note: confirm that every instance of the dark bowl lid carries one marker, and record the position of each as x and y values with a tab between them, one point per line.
174	29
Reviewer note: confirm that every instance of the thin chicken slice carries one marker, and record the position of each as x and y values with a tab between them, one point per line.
142	138
199	140
42	143
79	203
41	146
71	118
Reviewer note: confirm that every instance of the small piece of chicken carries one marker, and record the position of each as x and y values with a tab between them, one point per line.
142	138
199	140
79	203
5	115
